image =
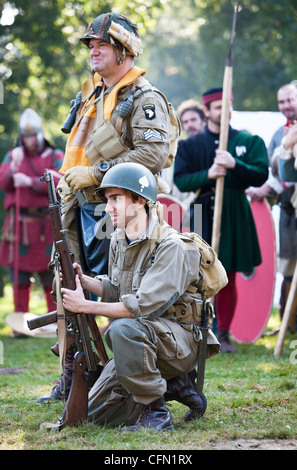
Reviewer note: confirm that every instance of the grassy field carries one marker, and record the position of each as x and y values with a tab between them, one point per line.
252	399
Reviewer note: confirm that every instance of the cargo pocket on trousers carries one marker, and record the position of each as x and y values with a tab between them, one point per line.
172	340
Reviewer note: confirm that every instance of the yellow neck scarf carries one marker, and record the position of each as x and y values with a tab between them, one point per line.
75	148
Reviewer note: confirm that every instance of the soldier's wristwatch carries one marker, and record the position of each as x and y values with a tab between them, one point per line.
104	166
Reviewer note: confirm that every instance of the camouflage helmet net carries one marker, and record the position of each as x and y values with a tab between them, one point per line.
116	29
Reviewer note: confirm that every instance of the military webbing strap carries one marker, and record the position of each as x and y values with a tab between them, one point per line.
75	153
160	232
61	321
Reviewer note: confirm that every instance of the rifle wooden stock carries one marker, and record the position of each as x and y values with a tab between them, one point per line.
76	409
97	339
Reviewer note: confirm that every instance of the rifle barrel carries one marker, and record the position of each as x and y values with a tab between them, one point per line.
42	320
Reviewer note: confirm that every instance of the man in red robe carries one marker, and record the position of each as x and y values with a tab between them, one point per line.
27	196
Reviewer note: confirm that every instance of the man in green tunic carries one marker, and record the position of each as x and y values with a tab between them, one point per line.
198	163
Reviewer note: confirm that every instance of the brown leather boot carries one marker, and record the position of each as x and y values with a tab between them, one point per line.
62	389
183	390
154	416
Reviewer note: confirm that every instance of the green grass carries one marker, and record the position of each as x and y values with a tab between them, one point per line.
251	396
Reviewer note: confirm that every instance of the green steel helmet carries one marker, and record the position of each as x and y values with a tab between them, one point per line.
132	177
116	29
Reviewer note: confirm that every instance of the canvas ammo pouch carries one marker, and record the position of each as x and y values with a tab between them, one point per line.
187	313
104	141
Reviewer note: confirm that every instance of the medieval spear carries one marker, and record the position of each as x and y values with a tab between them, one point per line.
223	140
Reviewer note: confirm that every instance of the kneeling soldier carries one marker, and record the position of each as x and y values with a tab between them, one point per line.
146	295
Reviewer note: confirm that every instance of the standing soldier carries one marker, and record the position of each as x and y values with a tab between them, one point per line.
120	118
20	174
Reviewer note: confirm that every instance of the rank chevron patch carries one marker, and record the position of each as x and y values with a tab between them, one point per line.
152	133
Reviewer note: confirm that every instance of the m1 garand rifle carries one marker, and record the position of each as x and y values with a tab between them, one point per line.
86	367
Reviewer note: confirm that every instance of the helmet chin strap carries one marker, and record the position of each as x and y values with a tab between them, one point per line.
120	52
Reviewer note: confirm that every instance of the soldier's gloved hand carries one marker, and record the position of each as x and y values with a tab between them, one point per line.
64	190
80	177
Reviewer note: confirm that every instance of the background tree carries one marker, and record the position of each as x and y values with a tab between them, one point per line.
193	39
42	62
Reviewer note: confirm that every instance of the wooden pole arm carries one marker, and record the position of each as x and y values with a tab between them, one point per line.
287	313
224	133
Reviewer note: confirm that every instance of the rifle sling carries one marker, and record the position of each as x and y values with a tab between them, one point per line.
61	323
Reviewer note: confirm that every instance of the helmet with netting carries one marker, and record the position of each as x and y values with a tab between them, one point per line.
116	29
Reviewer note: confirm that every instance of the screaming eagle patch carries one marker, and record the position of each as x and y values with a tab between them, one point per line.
149	111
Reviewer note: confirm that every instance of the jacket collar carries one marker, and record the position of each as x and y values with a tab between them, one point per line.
120	233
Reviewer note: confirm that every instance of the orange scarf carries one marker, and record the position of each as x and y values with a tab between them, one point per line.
75	148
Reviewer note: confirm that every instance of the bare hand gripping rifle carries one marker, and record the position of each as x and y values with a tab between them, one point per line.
86	368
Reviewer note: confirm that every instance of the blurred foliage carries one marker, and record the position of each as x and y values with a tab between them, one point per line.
42	61
193	38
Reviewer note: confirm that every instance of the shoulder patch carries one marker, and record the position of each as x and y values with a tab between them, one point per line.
149	111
